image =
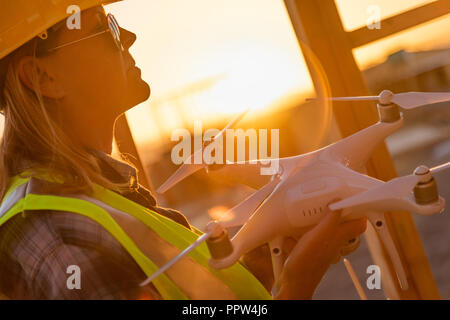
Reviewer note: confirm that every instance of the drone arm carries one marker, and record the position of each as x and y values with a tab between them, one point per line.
378	222
355	150
239	214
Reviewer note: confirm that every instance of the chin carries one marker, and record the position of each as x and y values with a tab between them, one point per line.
141	92
147	90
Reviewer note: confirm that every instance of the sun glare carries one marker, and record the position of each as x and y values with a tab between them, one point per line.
257	75
254	53
249	44
254	76
220	213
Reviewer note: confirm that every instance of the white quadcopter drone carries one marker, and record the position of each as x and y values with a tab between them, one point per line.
297	196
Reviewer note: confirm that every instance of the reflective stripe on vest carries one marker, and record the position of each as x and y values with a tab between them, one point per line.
150	238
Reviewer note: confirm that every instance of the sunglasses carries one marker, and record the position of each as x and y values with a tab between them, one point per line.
113	29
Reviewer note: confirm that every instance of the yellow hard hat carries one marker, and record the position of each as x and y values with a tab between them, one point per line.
22	20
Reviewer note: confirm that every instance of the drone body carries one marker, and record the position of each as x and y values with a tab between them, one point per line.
309	183
306	186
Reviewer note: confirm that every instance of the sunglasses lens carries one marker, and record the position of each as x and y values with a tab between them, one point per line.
115	31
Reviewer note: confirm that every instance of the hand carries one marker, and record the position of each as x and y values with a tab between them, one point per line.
311	256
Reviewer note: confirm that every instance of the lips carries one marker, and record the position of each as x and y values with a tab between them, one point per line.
135	70
132	63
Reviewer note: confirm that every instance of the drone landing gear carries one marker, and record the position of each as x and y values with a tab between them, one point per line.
379	223
276	253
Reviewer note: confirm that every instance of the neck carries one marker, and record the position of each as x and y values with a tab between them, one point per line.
92	134
103	138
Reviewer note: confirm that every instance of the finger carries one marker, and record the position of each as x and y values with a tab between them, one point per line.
336	259
330	221
326	227
350	230
331	217
351	246
321	237
318	243
341	245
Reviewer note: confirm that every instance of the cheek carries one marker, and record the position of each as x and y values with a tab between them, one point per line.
96	79
101	78
112	76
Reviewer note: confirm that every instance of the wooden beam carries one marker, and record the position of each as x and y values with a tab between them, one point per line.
322	38
400	22
127	147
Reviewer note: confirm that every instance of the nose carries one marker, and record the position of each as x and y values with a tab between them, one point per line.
127	38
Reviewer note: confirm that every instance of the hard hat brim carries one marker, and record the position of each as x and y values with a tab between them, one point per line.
23	22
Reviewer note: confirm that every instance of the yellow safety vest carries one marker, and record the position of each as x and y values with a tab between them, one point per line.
150	238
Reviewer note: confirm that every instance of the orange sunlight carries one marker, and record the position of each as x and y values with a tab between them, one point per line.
219	213
206	60
250	45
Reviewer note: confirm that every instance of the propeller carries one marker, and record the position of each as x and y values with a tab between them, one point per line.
192	164
407	100
186	251
393	189
240	213
441	167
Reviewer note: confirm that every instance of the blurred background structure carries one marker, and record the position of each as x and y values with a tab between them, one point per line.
207	60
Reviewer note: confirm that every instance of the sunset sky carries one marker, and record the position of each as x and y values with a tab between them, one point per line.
249	44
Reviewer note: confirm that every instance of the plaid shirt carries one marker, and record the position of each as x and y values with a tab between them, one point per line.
37	248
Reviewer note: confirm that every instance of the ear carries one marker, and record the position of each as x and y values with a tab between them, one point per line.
34	70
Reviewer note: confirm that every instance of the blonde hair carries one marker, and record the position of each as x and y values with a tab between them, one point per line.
33	141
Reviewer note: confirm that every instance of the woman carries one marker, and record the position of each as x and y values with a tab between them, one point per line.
68	207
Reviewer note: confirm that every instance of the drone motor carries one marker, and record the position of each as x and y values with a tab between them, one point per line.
426	191
218	243
388	112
